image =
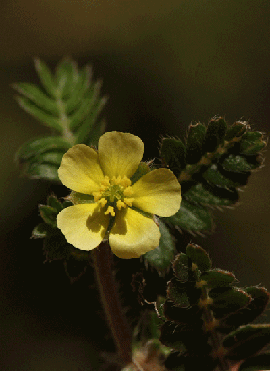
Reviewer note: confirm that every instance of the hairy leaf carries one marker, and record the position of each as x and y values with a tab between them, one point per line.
192	217
68	102
211	165
161	257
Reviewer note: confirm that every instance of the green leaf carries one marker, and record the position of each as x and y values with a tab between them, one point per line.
79	89
236	131
50	157
48	214
161	257
84	133
195	140
232	180
227	300
53	202
39	114
217	277
256	363
41	230
173	154
192	217
35	147
41	171
246	341
176	291
207	194
215	133
239	164
71	106
36	95
88	104
66	76
46	77
181	267
252	143
260	299
199	257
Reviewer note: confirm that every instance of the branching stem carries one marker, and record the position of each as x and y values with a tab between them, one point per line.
119	326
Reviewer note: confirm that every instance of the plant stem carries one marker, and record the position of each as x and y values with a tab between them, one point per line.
117	321
208	318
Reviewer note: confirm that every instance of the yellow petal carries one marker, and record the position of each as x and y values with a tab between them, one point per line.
83	225
157	192
133	234
120	153
80	169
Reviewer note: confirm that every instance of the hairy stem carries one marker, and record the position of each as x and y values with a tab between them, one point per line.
119	326
209	319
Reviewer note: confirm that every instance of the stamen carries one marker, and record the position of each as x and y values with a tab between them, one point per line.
128	201
114	192
125	182
106	181
115	180
97	196
110	210
103	201
120	204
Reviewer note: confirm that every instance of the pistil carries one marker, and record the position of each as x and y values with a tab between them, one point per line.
115	193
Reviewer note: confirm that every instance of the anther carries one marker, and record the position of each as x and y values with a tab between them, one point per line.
103	201
120	204
110	210
97	196
128	201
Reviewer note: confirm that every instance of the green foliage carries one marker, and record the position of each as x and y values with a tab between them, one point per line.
69	103
55	245
207	318
211	165
161	257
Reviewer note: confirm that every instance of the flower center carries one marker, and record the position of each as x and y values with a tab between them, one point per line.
115	193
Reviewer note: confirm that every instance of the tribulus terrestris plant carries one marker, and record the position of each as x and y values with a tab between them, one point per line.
191	316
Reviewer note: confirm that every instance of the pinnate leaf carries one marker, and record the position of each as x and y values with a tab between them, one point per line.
214	161
192	217
69	103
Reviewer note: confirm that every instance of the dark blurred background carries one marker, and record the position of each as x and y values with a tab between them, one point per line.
164	64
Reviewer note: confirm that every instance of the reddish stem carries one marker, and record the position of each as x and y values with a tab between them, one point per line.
117	321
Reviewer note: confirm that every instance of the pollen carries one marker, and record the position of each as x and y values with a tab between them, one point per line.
106	181
125	182
103	201
110	210
116	180
120	204
115	193
128	201
97	196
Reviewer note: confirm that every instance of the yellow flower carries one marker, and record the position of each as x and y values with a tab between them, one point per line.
105	175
